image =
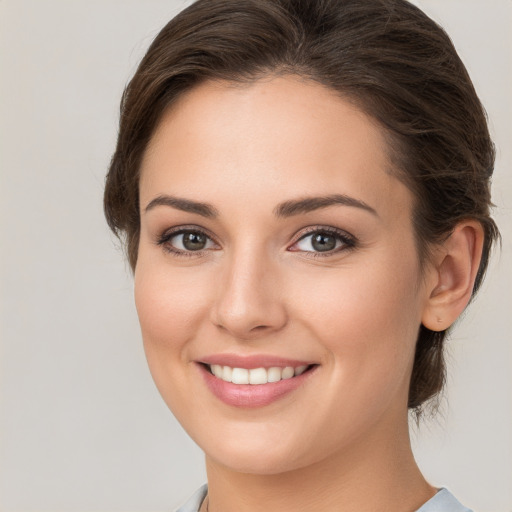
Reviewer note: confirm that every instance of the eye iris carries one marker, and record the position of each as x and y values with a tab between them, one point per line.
323	242
194	241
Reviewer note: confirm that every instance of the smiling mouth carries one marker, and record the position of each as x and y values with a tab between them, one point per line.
256	375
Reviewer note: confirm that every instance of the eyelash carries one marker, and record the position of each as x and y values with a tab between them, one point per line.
348	241
164	239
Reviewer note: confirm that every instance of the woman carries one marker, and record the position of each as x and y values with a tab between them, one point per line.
304	192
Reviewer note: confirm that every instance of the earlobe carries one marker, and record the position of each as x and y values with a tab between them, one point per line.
455	271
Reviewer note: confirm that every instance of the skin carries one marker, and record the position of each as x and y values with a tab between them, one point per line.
341	440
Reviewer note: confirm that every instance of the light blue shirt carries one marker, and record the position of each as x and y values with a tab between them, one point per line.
443	501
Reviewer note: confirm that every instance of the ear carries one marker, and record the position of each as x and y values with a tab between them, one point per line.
454	272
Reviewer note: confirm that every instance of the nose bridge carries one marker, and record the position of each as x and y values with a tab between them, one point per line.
249	301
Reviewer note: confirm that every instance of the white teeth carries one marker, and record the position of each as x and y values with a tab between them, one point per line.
256	375
288	372
240	376
300	369
227	373
274	374
217	370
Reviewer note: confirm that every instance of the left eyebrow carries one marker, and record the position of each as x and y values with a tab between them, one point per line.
186	205
309	204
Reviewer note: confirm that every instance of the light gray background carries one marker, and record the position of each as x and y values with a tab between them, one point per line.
82	426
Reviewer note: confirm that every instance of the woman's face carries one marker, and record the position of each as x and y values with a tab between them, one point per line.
274	234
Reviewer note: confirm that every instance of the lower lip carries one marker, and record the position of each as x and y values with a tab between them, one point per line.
252	395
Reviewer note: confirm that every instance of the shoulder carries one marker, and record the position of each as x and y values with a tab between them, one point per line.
194	502
443	501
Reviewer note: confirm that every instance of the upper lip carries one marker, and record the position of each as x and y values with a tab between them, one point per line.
252	361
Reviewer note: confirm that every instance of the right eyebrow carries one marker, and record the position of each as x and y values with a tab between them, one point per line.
186	205
308	204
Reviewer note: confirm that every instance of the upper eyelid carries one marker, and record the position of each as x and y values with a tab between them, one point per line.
167	234
324	229
164	238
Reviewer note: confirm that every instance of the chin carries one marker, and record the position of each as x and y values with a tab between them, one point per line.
257	462
260	455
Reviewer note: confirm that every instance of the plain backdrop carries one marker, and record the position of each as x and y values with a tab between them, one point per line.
82	425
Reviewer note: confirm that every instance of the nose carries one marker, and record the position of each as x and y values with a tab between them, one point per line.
249	303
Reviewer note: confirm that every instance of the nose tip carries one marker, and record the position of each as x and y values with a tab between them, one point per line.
249	305
249	323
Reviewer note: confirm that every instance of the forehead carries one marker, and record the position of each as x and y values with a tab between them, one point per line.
275	138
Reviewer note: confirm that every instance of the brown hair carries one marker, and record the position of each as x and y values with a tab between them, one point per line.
387	56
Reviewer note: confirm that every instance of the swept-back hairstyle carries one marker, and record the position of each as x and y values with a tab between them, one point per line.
386	56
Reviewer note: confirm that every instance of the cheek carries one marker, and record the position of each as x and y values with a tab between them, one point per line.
170	305
368	318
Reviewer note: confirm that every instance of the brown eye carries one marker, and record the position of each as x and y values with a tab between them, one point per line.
324	241
319	241
193	241
186	241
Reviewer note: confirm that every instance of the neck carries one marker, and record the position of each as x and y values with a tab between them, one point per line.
375	473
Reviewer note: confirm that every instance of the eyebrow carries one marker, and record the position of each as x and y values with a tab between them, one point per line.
283	210
186	205
309	204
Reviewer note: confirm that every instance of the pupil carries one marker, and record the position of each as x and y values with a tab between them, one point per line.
323	242
194	241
